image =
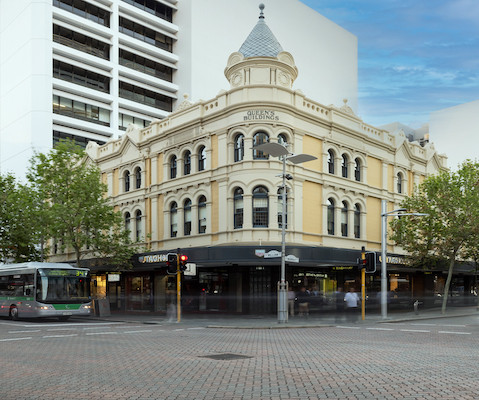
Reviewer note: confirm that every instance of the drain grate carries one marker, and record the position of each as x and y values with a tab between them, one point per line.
226	356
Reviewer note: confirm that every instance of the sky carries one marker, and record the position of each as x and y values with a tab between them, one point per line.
414	56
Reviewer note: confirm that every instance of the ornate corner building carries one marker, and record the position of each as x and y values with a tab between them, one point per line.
195	181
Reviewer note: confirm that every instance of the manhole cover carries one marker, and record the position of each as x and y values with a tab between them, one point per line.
225	356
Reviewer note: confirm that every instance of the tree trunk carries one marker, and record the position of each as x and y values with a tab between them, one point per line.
448	283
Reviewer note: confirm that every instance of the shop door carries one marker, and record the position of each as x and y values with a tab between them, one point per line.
262	295
139	293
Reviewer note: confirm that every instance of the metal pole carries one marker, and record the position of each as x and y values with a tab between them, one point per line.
363	284
384	276
282	294
178	288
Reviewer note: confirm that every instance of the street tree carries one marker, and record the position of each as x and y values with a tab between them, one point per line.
80	216
451	200
20	229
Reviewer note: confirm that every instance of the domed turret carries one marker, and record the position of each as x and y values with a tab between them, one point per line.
261	60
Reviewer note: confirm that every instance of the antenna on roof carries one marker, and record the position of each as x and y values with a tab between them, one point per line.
261	14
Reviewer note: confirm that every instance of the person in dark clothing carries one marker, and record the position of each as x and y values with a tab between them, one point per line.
339	301
303	302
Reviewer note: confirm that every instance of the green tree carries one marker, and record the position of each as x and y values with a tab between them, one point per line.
451	200
20	230
80	216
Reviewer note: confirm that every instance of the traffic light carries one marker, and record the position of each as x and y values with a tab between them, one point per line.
172	263
183	260
370	262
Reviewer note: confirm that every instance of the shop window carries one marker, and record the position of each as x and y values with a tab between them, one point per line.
260	138
260	207
238	208
331	206
187	217
344	166
239	148
202	214
399	182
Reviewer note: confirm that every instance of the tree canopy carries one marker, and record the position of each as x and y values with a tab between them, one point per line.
450	230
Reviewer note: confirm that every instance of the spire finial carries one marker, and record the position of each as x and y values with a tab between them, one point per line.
261	14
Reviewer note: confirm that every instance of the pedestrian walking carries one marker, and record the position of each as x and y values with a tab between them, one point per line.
291	301
303	302
351	298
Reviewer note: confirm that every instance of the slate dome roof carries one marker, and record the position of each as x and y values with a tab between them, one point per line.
261	42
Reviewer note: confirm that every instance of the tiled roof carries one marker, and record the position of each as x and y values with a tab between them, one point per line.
261	42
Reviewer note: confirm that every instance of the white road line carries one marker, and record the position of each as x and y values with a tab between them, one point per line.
381	329
129	326
18	338
457	326
424	324
60	329
60	336
456	333
414	330
33	330
348	327
199	327
179	329
98	327
102	333
137	331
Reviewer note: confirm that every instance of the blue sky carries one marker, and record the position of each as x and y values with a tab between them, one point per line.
414	56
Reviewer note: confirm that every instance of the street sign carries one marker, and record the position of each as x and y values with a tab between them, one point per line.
272	254
291	258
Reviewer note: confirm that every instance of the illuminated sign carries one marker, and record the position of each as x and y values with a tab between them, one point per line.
154	258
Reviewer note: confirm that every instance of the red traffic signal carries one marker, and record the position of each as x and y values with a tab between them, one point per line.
183	260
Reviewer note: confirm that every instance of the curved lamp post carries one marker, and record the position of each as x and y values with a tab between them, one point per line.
278	150
384	276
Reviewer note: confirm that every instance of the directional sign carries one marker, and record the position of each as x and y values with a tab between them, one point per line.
291	258
272	254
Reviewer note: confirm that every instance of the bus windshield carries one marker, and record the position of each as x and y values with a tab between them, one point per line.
63	286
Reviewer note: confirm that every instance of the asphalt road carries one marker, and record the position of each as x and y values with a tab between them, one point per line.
88	359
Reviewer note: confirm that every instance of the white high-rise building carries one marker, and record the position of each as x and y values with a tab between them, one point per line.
86	69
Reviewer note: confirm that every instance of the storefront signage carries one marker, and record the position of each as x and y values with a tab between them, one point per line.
113	277
394	260
272	254
291	258
261	115
154	258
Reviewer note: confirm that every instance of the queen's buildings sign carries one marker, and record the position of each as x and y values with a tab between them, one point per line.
261	115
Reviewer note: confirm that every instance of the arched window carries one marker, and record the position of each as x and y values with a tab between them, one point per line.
344	166
282	139
187	217
400	182
280	208
202	158
127	222
331	161
259	138
126	177
260	207
357	169
187	163
173	220
331	216
202	214
344	220
238	208
138	225
239	148
357	221
173	167
138	178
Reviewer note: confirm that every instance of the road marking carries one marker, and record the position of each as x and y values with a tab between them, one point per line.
129	326
97	327
60	329
199	327
19	338
147	330
457	326
179	329
103	333
60	336
33	330
456	333
347	327
424	324
414	330
381	329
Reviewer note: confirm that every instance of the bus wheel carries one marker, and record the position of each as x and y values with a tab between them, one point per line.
64	318
14	313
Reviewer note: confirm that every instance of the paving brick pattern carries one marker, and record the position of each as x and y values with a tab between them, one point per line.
168	362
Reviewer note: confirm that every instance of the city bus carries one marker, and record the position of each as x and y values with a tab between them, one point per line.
41	290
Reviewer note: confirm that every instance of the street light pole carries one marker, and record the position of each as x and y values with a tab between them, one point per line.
278	150
384	237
